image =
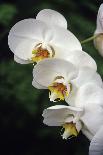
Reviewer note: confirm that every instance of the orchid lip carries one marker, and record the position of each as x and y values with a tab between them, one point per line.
59	89
42	51
69	130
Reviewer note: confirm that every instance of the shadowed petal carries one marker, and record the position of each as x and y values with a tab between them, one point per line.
96	145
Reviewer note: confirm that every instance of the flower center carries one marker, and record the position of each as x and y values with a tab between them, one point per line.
69	130
40	53
58	90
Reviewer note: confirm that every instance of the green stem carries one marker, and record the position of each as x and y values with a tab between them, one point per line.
88	39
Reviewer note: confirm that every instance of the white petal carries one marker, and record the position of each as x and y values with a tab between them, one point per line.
96	145
37	85
90	94
69	119
86	75
56	115
29	28
75	109
46	71
24	35
21	46
64	39
90	98
72	96
52	17
99	28
93	118
21	61
78	58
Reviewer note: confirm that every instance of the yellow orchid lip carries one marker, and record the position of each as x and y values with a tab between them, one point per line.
41	53
69	130
59	89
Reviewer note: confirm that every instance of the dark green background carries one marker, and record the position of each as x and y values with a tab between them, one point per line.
21	129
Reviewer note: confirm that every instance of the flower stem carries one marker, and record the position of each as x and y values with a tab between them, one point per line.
88	39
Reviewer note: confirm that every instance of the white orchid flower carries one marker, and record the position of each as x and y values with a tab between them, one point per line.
32	40
62	78
98	41
90	98
65	116
46	37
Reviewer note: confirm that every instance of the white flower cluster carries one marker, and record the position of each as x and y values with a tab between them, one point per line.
64	69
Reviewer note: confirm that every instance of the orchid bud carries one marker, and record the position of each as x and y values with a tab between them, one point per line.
98	41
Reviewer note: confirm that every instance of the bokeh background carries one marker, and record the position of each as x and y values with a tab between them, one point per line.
21	129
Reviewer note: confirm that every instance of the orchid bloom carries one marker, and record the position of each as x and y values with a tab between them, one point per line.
62	78
65	116
98	41
90	99
32	40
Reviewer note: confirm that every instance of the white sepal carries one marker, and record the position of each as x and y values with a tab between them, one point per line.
52	17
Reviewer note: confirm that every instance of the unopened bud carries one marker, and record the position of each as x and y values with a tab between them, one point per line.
98	43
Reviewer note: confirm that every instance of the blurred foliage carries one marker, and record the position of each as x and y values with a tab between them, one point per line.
21	106
7	12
